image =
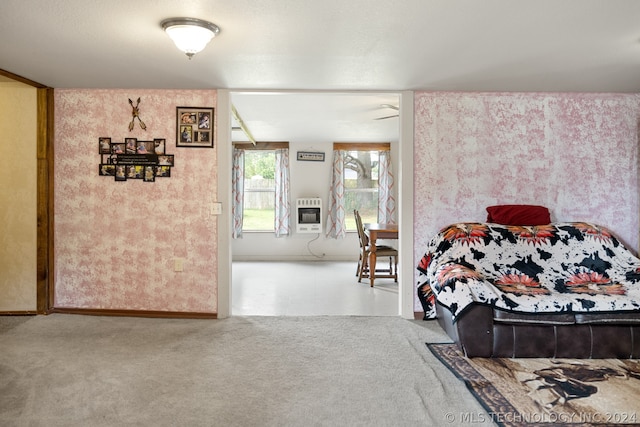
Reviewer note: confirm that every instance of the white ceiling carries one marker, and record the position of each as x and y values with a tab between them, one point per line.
317	117
329	46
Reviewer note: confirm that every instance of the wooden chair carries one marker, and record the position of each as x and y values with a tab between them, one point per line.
381	251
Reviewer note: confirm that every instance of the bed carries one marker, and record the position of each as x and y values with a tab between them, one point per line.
565	290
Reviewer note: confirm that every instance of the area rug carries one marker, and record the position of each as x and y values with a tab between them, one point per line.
545	392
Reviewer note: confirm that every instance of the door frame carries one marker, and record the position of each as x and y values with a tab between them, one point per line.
45	213
44	188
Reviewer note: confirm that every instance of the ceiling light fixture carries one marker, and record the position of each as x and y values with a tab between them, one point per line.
190	35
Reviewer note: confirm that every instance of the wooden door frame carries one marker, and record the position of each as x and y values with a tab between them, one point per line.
45	263
44	210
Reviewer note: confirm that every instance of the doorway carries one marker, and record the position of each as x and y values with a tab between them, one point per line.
310	122
28	106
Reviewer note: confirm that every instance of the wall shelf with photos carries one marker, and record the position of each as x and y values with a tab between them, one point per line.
134	159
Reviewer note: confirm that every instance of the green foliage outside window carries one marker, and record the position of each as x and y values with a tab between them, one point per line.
260	163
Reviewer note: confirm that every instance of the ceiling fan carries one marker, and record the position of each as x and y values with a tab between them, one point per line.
393	107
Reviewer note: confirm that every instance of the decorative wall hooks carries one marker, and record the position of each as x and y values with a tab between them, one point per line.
135	112
133	159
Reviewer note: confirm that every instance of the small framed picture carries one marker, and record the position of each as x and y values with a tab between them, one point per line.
118	148
165	160
121	172
194	127
105	145
159	146
145	147
310	156
134	172
163	171
149	173
200	136
130	145
107	169
186	136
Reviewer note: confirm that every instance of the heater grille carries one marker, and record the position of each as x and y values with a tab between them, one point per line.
312	202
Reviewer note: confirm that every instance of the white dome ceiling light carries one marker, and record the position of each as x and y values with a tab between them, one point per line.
190	35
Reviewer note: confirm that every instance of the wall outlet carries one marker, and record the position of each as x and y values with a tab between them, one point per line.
178	264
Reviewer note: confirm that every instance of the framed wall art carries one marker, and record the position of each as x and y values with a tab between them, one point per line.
194	127
135	159
309	156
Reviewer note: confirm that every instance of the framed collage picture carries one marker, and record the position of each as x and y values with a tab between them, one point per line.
194	127
135	159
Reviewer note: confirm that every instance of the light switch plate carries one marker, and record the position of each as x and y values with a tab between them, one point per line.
216	208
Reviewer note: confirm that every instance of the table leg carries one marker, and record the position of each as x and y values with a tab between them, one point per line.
372	258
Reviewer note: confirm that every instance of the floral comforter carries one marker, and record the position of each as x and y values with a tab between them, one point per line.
560	267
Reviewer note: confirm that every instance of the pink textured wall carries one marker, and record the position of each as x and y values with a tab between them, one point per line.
574	153
115	242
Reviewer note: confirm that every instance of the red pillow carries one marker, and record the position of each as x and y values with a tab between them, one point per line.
518	215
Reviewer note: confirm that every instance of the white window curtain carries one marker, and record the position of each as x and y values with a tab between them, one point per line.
237	192
282	205
386	201
336	227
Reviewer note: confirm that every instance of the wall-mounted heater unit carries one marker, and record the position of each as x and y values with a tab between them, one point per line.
309	215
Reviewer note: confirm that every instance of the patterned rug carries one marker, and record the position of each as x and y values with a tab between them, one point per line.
545	392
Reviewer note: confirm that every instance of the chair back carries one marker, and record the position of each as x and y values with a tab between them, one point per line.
364	240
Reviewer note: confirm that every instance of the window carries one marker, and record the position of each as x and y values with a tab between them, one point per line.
259	190
361	186
361	179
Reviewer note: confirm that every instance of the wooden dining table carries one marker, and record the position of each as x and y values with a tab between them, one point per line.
377	231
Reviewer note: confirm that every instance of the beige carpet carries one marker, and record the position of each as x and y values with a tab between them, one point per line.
558	392
71	370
